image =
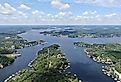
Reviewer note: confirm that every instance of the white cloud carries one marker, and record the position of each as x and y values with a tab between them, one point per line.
37	12
111	15
23	6
40	17
86	13
21	13
59	5
65	14
6	9
105	3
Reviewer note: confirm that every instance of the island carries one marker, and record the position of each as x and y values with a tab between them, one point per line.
49	66
9	43
84	31
109	54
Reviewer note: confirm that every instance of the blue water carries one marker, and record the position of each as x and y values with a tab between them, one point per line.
86	69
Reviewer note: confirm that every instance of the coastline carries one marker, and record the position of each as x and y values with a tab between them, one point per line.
16	75
103	67
16	54
99	60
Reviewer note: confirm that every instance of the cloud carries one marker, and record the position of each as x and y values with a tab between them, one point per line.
59	5
39	17
37	13
89	13
6	9
65	14
23	6
105	3
111	15
20	13
87	17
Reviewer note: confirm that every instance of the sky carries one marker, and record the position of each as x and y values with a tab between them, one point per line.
60	12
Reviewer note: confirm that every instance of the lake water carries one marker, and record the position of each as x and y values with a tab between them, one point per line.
86	69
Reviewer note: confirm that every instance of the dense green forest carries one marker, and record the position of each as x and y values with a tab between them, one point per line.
49	66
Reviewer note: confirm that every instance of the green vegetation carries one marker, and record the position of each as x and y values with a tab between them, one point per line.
5	60
8	45
105	53
8	51
49	66
111	52
82	44
86	32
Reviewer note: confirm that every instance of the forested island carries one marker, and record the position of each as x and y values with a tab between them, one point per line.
85	32
9	43
109	54
49	66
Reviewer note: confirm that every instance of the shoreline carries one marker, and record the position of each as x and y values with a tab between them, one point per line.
103	67
97	59
15	75
108	73
16	55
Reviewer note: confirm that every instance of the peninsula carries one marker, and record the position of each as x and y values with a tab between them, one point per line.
48	66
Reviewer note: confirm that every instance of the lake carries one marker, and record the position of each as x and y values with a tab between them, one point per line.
86	69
